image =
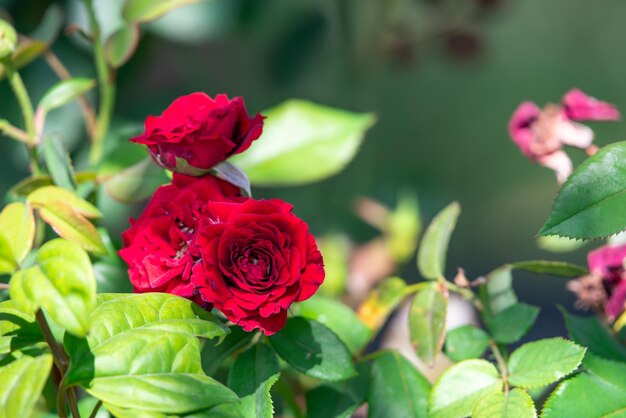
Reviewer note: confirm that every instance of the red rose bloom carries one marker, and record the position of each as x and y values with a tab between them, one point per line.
159	245
196	132
257	259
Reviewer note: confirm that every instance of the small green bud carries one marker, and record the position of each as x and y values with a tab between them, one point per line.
8	39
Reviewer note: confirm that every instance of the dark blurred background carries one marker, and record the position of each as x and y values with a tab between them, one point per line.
443	76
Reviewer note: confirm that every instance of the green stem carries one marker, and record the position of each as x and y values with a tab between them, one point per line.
95	409
71	398
27	112
106	82
284	389
58	355
13	131
504	371
466	294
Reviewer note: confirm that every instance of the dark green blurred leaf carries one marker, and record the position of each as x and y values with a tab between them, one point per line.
466	342
592	202
251	377
62	283
64	92
598	392
516	404
591	333
542	362
458	390
397	388
111	278
140	11
136	183
303	142
431	258
313	349
122	45
22	383
554	268
341	399
215	353
58	162
339	318
511	324
427	321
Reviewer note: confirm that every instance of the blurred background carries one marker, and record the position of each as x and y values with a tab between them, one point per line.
442	76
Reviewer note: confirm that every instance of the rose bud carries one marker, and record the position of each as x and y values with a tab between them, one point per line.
197	132
578	106
157	246
257	259
8	39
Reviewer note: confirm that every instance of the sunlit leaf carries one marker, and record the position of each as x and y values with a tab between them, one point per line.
427	321
431	258
592	202
303	142
516	404
42	196
381	302
466	342
22	383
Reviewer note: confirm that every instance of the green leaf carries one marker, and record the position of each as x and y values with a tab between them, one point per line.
251	377
122	45
17	328
542	362
30	184
511	324
517	404
58	162
313	349
431	258
554	268
397	388
303	142
62	284
7	261
339	318
497	294
22	383
215	353
427	321
17	224
466	342
141	11
591	333
64	92
26	52
232	174
458	390
72	226
557	244
381	302
341	399
43	196
600	391
147	342
137	182
592	202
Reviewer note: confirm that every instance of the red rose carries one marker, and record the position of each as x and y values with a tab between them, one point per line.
196	132
257	259
158	246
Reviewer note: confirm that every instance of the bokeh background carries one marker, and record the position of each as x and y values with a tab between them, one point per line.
443	77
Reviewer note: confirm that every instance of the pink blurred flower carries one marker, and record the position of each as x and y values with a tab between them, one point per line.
578	106
605	287
541	134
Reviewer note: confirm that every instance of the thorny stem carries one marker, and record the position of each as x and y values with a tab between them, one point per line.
106	82
504	371
27	112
